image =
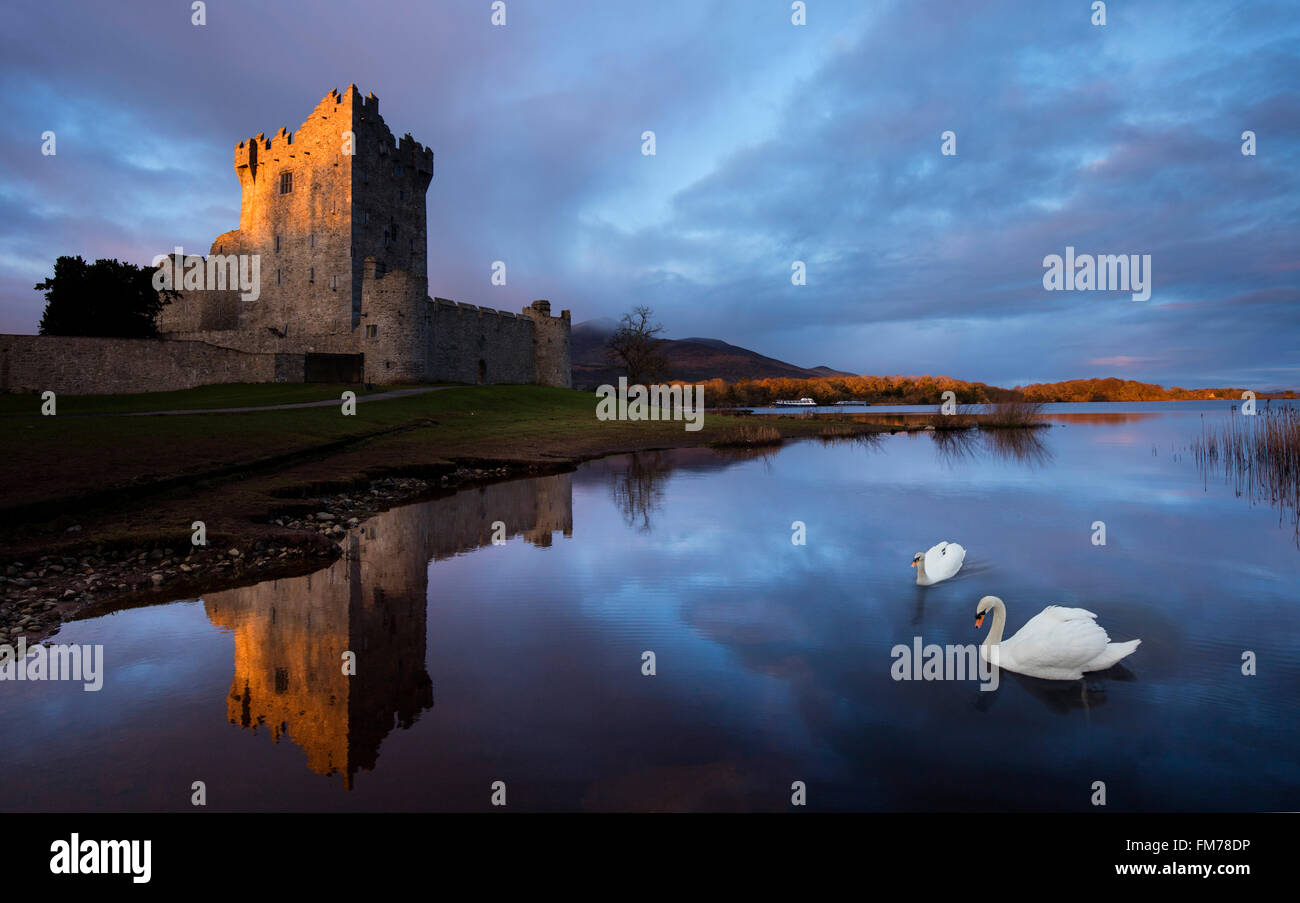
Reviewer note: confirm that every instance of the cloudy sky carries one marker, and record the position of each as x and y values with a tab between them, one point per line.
775	143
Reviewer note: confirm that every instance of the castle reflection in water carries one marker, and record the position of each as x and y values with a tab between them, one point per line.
290	635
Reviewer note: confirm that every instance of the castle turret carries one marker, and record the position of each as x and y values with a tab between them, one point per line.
551	336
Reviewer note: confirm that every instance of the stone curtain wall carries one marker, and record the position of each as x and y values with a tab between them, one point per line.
266	342
462	335
195	310
98	366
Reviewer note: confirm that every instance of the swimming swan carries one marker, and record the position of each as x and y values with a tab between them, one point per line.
1055	644
940	563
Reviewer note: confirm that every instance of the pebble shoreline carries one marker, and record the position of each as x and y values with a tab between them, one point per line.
38	594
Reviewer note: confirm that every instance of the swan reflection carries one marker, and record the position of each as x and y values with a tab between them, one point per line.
1062	696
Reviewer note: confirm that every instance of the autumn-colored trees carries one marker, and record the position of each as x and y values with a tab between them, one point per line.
1113	389
830	389
929	390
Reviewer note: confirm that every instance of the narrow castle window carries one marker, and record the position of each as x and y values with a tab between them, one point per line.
372	332
401	195
277	242
311	274
286	182
277	277
334	283
313	239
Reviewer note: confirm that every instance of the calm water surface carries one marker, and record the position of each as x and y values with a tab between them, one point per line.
522	662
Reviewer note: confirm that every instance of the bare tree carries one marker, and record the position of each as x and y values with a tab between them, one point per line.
636	347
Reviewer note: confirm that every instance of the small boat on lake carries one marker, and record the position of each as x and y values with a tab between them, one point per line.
801	403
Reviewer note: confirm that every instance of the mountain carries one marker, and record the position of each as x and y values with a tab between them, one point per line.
693	359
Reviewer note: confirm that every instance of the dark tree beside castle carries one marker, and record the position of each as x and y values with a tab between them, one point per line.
636	347
104	298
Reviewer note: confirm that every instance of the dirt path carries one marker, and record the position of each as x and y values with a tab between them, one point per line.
328	402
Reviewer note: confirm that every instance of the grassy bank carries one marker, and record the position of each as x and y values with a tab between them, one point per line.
129	475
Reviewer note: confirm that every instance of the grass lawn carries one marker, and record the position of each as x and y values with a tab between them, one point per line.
230	395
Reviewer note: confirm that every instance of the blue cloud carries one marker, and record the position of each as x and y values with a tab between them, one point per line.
775	143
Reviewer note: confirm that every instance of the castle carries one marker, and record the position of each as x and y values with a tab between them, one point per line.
336	212
335	215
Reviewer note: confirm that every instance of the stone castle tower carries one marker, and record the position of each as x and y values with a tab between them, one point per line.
335	213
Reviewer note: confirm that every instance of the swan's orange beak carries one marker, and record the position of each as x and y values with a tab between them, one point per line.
912	565
979	620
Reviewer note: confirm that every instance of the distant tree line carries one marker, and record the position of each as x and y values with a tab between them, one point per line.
930	389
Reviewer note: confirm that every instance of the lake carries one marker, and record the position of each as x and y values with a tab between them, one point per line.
522	661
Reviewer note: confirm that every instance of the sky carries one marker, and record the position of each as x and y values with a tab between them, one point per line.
774	143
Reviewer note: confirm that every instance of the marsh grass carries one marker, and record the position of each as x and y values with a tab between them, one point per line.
1012	415
1259	455
962	418
748	435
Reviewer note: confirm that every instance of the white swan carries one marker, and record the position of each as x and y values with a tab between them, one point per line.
1055	644
940	563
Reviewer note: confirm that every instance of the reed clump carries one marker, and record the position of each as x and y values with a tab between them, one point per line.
748	435
1259	454
963	417
838	431
1012	415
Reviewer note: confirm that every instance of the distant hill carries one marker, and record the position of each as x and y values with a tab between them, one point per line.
699	359
693	359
